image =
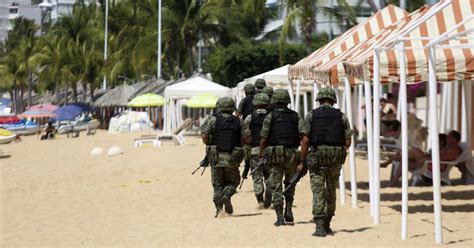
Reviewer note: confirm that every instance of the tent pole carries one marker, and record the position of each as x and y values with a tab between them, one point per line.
342	183
370	148
290	90
305	102
402	96
455	125
347	92
449	113
298	95
444	108
359	109
466	114
376	136
435	146
315	94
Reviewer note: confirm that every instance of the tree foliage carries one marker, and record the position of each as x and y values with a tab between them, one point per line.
233	64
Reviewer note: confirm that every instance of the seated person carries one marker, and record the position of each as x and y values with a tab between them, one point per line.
49	132
449	150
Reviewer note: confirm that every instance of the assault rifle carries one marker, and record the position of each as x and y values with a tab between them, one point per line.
296	178
262	162
204	163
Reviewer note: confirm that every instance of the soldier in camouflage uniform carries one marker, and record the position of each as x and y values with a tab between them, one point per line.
245	109
327	135
269	91
222	135
259	85
280	139
261	175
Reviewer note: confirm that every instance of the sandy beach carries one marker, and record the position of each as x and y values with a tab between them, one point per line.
54	193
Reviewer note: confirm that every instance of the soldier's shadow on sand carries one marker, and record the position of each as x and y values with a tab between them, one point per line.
245	215
361	229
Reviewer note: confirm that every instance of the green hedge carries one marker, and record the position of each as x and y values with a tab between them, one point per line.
233	64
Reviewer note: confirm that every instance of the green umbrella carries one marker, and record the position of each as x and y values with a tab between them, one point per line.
202	101
147	100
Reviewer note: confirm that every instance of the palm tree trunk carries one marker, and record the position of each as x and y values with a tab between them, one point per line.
30	86
191	59
74	91
373	6
67	94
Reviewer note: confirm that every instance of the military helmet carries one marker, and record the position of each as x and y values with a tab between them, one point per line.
261	99
249	89
281	96
268	90
226	104
326	93
260	83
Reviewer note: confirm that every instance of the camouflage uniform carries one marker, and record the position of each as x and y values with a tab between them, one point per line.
260	176
245	108
225	174
282	160
324	165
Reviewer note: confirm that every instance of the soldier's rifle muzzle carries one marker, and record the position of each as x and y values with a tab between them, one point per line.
204	164
296	178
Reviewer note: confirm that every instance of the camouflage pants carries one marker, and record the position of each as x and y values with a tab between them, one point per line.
324	180
224	181
261	177
286	169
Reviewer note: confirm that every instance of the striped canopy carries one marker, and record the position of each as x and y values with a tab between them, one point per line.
452	64
342	45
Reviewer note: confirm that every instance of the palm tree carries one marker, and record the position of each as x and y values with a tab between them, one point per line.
303	13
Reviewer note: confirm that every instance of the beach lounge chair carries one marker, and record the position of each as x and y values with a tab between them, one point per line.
4	155
424	171
177	136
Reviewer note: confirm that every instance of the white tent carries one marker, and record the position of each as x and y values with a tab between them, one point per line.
130	121
177	94
277	79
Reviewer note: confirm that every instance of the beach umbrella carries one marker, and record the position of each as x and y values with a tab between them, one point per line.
147	100
202	101
40	111
67	113
83	106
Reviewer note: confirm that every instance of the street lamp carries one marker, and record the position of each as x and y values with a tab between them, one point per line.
45	8
200	43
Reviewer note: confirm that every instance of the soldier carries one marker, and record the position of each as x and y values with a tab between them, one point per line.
222	133
245	109
245	106
261	175
259	85
279	142
327	134
269	91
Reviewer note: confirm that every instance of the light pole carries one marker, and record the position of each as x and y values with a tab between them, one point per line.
45	8
158	64
200	43
106	35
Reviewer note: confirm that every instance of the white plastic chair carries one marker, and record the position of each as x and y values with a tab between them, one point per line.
465	156
177	136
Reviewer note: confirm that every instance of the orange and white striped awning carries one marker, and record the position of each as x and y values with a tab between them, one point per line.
304	69
452	64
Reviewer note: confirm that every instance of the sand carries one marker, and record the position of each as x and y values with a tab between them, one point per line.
54	193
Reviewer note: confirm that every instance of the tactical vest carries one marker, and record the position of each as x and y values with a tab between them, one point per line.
327	128
227	133
248	106
284	129
256	127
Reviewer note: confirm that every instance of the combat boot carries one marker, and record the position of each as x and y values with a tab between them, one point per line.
227	205
288	211
260	201
267	202
218	208
320	231
327	225
279	212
